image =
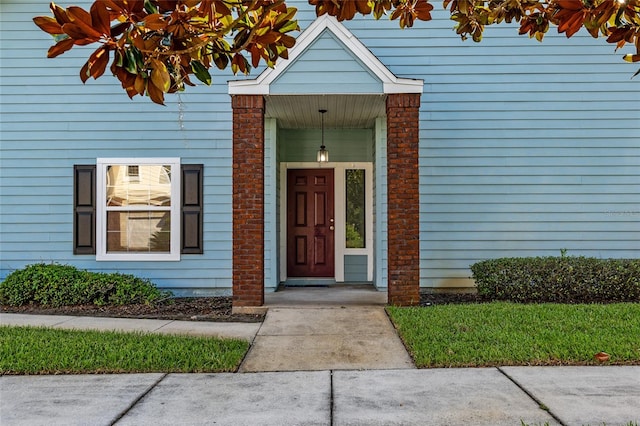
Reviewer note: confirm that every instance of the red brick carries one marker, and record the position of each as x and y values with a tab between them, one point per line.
403	199
248	200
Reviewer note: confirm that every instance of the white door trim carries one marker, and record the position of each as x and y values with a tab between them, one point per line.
339	214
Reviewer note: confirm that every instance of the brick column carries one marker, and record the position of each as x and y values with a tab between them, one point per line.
248	202
403	198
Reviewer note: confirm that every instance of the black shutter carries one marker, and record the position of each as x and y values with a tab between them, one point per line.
84	209
191	209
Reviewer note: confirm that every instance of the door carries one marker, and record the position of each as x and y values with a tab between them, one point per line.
310	223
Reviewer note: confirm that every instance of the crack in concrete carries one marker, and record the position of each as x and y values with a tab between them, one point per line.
135	402
541	404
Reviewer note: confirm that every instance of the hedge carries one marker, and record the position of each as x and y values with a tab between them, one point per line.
565	279
64	285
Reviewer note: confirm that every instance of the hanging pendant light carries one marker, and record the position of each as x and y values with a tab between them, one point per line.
323	154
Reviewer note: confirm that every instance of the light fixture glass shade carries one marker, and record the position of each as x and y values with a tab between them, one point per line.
323	155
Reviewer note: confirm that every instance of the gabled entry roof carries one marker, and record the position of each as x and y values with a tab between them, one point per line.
326	33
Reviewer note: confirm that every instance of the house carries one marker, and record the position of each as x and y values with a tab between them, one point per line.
441	153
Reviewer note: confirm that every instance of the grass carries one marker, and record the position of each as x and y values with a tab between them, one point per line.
500	333
37	350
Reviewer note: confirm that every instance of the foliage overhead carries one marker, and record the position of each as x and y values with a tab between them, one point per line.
155	46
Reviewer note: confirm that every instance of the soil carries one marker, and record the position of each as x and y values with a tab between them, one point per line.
431	299
197	309
189	309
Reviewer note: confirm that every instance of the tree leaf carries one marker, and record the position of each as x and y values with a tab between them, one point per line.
160	76
140	84
48	25
130	63
100	18
74	31
155	22
84	72
221	60
256	54
60	14
155	93
60	47
202	73
98	62
150	7
239	63
423	10
82	19
118	29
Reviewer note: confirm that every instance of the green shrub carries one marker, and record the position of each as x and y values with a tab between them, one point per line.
564	279
64	285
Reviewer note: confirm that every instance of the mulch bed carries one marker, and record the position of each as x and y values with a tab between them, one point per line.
187	308
199	308
431	299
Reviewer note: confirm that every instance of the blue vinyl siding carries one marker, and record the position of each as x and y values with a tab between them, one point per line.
313	71
526	148
51	121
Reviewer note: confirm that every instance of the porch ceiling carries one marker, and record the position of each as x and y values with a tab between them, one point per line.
343	111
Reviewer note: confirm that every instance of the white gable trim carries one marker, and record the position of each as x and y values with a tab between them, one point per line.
391	83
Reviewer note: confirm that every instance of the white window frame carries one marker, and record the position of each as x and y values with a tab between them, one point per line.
101	210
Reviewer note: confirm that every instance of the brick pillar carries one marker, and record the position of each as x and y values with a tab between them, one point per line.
403	199
248	202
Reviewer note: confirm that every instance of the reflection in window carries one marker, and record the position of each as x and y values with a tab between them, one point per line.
138	202
355	224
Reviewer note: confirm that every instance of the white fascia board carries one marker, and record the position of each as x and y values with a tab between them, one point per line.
391	83
247	87
404	85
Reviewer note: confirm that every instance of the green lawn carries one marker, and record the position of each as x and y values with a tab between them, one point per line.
31	350
502	333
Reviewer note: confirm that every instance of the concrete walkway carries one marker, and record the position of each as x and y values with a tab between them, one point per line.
364	377
326	328
305	339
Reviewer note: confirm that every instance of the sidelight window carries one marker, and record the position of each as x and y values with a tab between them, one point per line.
355	205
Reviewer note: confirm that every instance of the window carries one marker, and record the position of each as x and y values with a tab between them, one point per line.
133	173
355	214
138	209
86	210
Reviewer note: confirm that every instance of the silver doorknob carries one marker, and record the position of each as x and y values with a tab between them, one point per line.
331	228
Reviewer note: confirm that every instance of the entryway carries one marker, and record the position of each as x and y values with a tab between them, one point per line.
277	126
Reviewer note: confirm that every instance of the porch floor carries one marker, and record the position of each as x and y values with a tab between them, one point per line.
326	296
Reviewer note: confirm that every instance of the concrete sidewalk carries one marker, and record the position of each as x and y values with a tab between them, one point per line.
237	330
486	396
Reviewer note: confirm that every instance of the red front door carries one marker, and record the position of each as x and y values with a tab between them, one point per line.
310	224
